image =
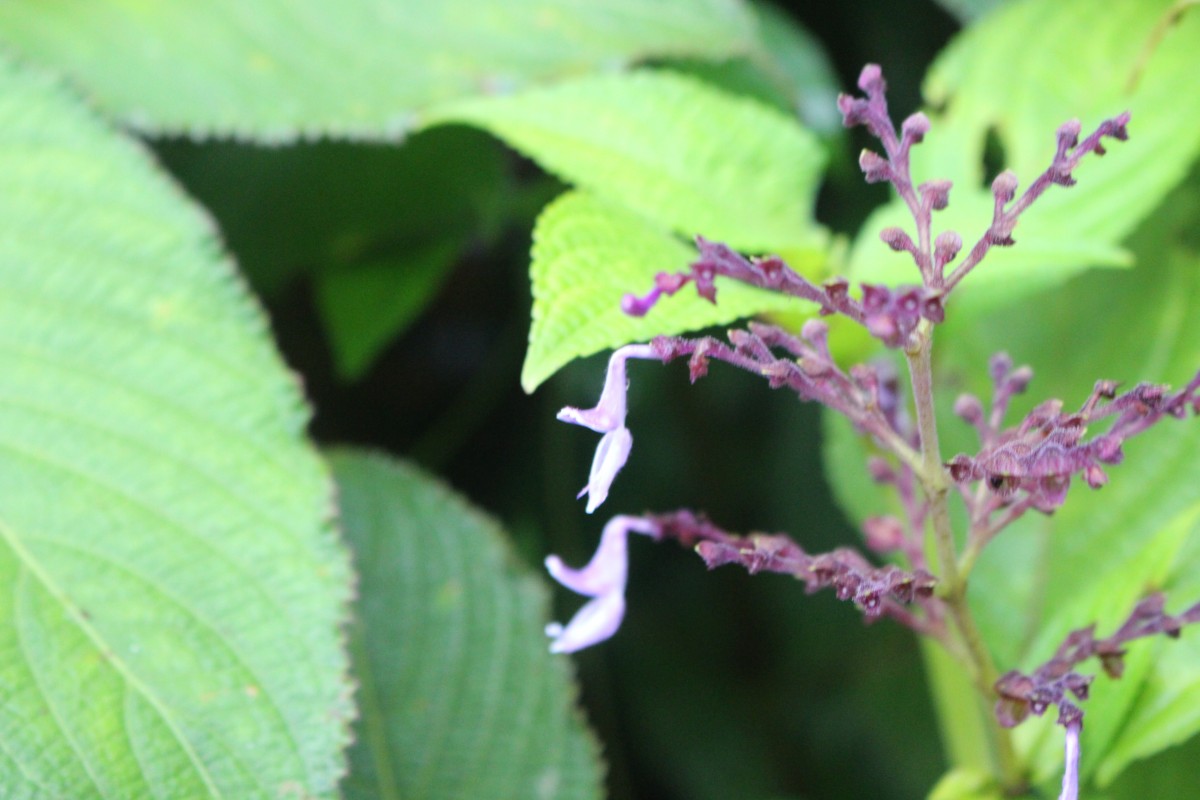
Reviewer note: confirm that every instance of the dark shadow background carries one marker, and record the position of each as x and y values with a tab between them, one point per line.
719	685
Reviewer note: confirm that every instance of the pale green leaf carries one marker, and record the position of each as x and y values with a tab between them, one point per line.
173	587
1022	72
282	69
684	155
365	306
587	254
459	695
788	68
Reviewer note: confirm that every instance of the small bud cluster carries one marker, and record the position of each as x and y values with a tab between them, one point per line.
875	590
1052	683
716	259
867	396
1041	454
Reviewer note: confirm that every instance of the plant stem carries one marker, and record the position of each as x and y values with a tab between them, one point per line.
953	587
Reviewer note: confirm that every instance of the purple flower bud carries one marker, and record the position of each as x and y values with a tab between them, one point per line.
935	194
884	534
1068	136
1019	380
999	366
968	408
933	309
870	80
875	297
1095	476
874	166
881	471
946	247
636	306
1004	187
854	110
897	239
838	290
915	127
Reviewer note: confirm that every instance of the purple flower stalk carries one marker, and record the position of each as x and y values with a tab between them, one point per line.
603	580
608	418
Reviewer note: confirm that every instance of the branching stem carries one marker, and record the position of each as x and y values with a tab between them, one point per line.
953	586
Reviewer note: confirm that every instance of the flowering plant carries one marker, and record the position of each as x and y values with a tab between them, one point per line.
1019	468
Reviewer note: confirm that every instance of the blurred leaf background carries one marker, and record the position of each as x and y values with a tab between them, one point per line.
393	259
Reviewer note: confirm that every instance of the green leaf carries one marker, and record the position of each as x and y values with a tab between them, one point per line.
1063	70
365	306
788	68
459	694
966	11
680	153
173	587
323	206
587	254
278	70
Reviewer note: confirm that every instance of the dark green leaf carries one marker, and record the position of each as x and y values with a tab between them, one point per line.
365	306
459	694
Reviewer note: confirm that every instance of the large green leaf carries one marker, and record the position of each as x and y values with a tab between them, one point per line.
587	254
686	156
281	69
173	587
459	695
1019	74
788	68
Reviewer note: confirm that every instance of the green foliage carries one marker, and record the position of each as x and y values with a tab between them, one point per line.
652	163
172	587
586	254
671	148
788	68
280	70
459	696
1092	72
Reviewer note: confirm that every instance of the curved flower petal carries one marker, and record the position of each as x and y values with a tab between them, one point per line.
607	570
611	454
596	621
603	579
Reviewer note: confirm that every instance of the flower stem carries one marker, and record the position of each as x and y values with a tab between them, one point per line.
936	484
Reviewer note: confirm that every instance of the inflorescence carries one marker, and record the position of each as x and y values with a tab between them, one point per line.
1026	466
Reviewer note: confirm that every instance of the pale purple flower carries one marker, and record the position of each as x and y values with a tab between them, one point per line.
1070	784
608	418
603	580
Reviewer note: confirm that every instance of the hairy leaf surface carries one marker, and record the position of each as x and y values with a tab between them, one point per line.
587	254
285	69
173	587
459	694
686	156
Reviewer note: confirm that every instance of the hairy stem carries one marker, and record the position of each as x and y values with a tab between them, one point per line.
936	484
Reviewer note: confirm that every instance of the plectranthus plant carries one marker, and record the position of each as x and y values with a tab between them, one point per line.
916	567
